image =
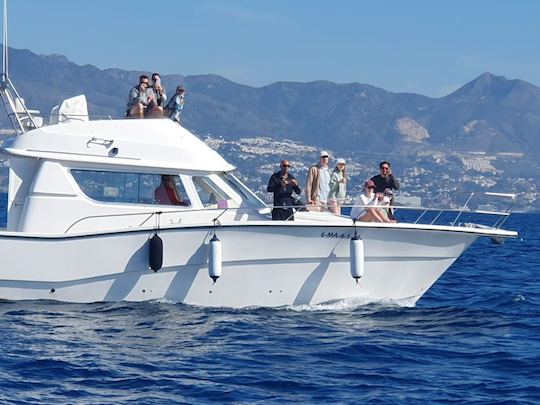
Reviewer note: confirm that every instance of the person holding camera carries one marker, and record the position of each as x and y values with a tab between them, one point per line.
366	206
283	184
159	91
386	181
141	99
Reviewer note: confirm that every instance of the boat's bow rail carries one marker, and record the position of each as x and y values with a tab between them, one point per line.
491	217
454	215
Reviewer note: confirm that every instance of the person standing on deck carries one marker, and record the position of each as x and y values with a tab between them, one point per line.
386	180
318	184
283	184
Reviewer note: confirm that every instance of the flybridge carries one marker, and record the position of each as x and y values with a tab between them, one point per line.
150	143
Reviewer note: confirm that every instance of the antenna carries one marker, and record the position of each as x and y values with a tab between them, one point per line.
5	42
18	114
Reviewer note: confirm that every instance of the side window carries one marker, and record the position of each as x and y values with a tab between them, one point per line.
108	186
209	193
171	191
147	184
132	188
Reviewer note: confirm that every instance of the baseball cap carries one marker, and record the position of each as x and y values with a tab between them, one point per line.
324	153
340	161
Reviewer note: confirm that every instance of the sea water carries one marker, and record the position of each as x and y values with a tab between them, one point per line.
473	338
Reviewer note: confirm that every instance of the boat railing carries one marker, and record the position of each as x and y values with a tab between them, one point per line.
451	216
147	216
21	117
84	117
414	215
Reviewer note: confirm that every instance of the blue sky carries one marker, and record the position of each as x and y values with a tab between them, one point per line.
429	47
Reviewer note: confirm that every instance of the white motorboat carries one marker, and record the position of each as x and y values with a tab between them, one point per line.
82	209
86	223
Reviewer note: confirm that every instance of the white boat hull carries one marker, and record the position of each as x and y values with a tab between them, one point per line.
271	265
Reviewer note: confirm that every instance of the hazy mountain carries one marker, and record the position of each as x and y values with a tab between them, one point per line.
490	113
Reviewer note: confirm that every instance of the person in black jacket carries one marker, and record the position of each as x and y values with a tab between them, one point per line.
283	184
386	181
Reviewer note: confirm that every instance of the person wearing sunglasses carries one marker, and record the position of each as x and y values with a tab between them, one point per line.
283	184
366	206
318	183
141	99
386	181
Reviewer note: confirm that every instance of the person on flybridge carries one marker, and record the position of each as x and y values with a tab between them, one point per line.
142	100
159	91
176	104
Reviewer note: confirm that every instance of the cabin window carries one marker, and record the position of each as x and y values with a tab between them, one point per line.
248	197
132	188
209	194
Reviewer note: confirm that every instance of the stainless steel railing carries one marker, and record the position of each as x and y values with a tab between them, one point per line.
414	214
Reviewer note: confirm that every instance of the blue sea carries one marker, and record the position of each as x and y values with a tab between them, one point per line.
473	338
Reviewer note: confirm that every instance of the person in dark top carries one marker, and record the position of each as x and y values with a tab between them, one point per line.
283	184
386	180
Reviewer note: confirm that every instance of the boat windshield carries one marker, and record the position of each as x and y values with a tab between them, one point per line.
239	188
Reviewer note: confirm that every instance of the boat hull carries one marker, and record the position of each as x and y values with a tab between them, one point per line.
262	265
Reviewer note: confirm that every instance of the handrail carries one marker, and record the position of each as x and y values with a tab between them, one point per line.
150	214
89	116
503	215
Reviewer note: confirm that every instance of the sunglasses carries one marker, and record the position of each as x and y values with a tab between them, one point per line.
371	186
147	83
285	165
385	168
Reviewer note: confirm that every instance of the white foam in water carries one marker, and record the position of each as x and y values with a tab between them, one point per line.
343	305
163	301
349	304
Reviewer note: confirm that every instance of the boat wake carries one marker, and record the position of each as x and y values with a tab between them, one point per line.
350	304
341	305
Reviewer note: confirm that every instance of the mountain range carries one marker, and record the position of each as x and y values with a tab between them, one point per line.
491	113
